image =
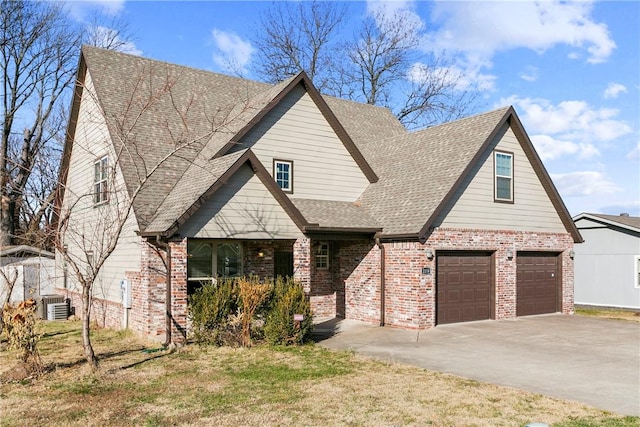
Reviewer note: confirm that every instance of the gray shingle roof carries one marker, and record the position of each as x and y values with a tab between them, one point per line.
163	105
629	221
335	214
418	169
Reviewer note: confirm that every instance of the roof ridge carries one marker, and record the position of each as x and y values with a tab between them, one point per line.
461	119
167	63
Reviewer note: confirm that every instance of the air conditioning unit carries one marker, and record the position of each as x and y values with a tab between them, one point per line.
44	302
57	311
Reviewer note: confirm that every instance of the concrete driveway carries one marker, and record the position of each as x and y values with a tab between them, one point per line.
589	360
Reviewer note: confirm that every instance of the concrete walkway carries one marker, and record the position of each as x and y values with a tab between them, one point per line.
589	360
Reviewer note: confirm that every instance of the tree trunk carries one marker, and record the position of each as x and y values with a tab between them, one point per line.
86	323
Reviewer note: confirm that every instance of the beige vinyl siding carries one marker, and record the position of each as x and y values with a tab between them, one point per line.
473	205
89	227
242	209
296	130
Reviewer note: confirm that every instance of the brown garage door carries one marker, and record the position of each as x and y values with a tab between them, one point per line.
464	287
537	283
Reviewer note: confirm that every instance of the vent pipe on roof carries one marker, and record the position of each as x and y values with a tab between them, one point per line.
624	214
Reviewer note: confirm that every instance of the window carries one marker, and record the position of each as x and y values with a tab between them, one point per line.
503	176
283	173
637	276
322	255
208	259
100	174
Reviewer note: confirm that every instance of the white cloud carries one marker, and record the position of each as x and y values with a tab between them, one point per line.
108	38
550	148
613	90
584	183
481	30
233	53
80	9
635	153
573	120
387	9
529	74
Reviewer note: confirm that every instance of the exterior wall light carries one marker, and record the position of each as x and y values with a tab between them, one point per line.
572	254
260	253
509	254
429	253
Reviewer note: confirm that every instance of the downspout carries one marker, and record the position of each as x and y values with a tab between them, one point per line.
168	314
382	282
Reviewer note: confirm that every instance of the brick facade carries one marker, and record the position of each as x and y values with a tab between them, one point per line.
350	287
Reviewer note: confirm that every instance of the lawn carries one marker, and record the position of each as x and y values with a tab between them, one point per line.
140	384
609	313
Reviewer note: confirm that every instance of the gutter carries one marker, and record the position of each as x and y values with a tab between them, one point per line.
168	312
382	281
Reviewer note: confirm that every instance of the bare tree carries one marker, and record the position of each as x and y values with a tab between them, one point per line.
113	33
298	36
382	64
94	220
37	59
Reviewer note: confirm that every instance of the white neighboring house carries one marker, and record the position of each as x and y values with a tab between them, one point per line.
607	264
32	269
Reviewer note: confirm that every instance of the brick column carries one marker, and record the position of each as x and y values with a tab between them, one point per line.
302	262
179	291
148	294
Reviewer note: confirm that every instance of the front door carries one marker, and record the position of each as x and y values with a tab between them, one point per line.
283	264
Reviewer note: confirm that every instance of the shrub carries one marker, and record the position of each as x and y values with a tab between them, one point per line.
213	309
288	299
24	332
252	295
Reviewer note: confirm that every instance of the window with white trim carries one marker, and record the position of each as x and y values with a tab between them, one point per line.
637	268
322	255
283	174
100	176
503	172
209	259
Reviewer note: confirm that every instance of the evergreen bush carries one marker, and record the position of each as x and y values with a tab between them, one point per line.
288	299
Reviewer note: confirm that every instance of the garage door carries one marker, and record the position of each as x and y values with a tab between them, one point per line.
537	284
464	287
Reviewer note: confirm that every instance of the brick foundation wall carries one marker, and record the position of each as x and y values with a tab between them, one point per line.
105	314
409	294
148	290
359	263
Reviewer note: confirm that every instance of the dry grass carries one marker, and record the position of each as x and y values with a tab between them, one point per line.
260	386
609	313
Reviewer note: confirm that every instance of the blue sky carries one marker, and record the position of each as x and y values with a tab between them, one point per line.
571	70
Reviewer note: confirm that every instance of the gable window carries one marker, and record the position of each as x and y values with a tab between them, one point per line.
209	259
322	255
283	173
100	175
503	172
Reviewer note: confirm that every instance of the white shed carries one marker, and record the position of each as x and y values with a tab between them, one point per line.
607	264
32	271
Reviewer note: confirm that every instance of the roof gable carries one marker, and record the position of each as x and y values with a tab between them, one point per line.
422	171
272	97
196	189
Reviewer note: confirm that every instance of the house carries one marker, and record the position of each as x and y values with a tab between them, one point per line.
607	264
29	271
454	223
